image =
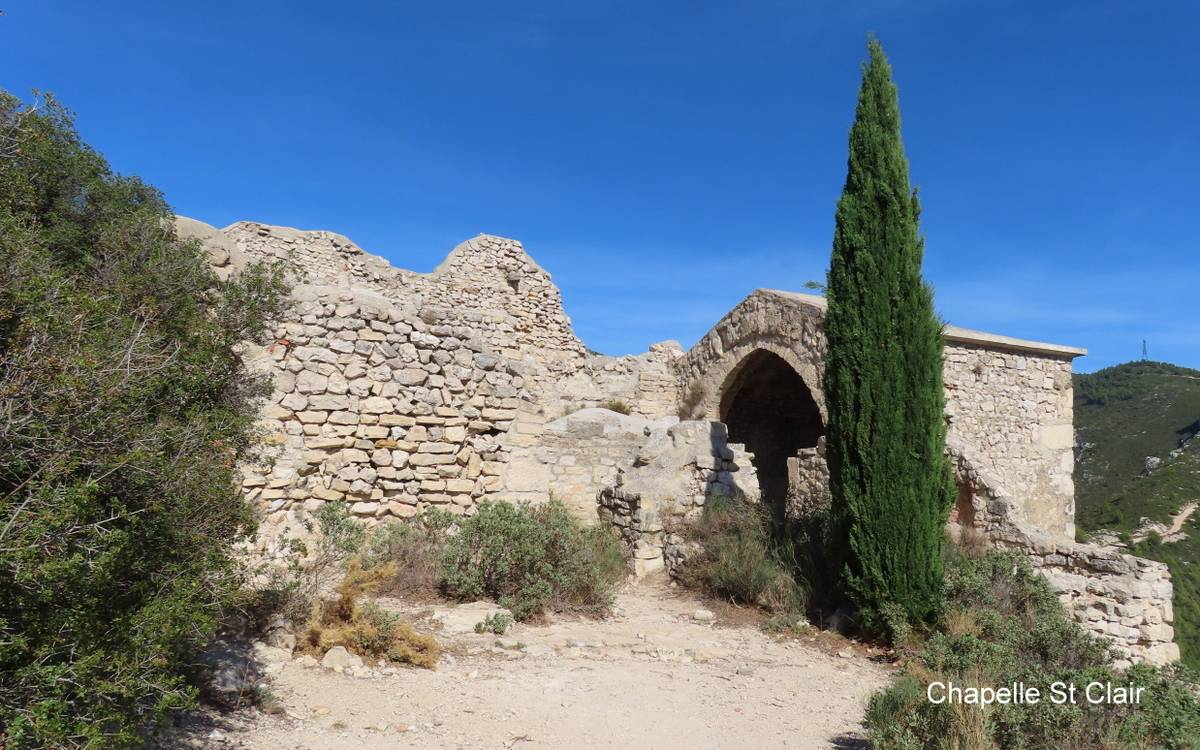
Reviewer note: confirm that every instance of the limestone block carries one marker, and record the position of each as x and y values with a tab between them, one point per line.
381	457
491	468
276	411
401	510
431	459
329	402
294	401
1160	632
311	382
343	418
1161	654
375	405
397	420
498	414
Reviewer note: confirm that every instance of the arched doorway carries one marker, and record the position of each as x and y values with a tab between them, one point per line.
768	407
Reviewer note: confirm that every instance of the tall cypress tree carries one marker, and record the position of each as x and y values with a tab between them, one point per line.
890	482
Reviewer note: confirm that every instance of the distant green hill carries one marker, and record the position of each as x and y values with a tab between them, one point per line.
1123	415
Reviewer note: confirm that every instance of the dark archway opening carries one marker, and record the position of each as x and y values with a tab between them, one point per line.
769	408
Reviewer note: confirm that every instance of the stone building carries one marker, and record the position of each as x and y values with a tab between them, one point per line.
396	391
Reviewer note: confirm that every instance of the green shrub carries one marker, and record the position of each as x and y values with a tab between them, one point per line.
738	561
496	623
1001	624
530	558
340	537
126	411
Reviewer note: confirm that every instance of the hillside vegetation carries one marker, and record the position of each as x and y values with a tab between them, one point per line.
1123	415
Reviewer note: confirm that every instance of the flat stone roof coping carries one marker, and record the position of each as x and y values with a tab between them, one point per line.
956	334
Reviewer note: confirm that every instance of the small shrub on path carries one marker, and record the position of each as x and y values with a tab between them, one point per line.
531	559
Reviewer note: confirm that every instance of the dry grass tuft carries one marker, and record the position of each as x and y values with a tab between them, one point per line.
973	543
691	401
617	405
366	629
962	622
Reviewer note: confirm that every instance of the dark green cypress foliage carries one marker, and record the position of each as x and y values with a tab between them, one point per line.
890	481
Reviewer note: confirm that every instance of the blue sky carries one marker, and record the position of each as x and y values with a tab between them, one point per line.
663	159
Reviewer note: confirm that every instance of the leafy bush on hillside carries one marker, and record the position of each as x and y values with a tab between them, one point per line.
124	412
496	623
1001	624
738	561
1123	382
532	558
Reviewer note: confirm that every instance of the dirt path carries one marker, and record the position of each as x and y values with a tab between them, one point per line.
1182	517
1168	532
650	676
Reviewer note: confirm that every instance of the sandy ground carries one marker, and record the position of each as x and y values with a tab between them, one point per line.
648	676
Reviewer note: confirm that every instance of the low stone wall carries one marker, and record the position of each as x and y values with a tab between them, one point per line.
576	456
1120	597
808	482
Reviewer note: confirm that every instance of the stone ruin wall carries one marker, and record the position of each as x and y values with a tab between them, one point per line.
396	391
490	285
1010	436
1015	410
677	469
375	407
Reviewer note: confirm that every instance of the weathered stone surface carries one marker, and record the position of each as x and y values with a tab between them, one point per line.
339	659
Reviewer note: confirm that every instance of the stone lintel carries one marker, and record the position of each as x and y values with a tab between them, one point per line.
957	335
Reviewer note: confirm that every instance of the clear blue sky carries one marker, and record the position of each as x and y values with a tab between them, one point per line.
663	159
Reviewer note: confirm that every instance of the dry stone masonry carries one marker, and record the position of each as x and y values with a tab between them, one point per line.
396	391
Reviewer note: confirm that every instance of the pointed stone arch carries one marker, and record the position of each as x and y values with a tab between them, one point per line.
769	408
